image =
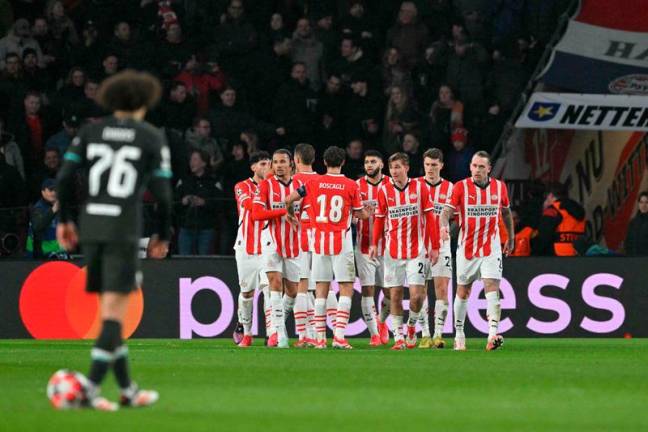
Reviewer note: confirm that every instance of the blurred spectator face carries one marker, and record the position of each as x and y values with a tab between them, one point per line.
282	48
52	160
21	28
396	96
228	97
30	61
347	49
111	64
32	105
303	28
325	23
235	9
49	195
445	95
357	10
479	168
40	28
251	141
410	143
393	56
276	22
191	63
90	89
239	153
203	129
354	150
178	94
359	87
123	31
407	13
57	10
457	31
298	73
12	65
70	130
333	85
643	204
78	78
458	144
460	49
196	163
174	33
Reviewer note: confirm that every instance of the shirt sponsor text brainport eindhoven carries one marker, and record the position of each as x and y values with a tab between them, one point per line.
407	210
482	210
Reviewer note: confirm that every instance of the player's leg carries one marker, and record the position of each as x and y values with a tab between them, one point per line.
385	311
301	301
491	273
395	278
275	280
424	316
460	311
264	286
248	272
367	275
440	309
415	269
344	272
323	275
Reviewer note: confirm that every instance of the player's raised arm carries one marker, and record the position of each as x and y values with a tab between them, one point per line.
260	208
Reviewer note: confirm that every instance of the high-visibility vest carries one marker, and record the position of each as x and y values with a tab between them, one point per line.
523	241
569	230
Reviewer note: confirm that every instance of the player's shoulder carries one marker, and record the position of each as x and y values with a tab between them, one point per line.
446	182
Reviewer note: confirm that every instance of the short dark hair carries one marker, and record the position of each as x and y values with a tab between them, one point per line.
433	153
400	156
642	194
373	153
259	156
129	91
285	152
12	54
306	153
484	154
202	153
334	157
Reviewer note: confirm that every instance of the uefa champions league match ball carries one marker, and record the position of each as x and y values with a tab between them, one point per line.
66	389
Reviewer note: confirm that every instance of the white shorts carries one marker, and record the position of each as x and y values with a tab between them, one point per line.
488	267
327	268
288	267
306	268
370	272
397	271
248	270
442	268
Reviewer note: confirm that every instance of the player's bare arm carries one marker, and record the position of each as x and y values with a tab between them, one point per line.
290	208
508	221
445	216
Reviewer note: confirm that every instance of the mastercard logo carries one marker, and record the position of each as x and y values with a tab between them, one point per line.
54	304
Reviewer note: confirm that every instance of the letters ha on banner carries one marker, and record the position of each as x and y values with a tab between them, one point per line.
585	111
559	310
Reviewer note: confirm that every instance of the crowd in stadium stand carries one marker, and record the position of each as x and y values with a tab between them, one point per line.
246	75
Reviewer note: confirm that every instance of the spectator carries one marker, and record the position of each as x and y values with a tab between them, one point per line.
17	40
393	73
412	147
41	33
352	60
197	194
43	218
357	23
400	118
636	242
48	170
12	85
269	71
251	140
507	20
71	94
325	33
354	165
174	51
408	35
308	50
330	113
459	156
88	108
61	26
177	109
429	74
6	16
235	170
123	45
199	138
295	105
236	38
62	139
90	48
11	154
363	111
36	78
277	28
201	79
446	115
109	66
562	224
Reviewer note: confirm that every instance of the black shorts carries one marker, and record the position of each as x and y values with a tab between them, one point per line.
112	267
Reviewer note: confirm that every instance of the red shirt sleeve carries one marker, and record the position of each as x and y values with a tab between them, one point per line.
381	211
457	196
504	201
356	204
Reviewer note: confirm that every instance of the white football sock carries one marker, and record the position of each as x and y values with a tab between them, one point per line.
331	307
278	320
301	314
369	313
342	317
493	312
397	323
288	305
267	309
245	313
424	318
385	309
320	318
460	309
440	314
310	320
413	318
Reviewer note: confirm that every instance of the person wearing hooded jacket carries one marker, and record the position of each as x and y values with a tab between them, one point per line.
562	223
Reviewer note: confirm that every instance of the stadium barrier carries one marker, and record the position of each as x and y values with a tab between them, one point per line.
196	298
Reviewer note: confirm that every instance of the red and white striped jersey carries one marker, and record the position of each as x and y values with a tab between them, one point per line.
440	194
272	194
368	197
404	210
479	212
305	227
249	231
330	202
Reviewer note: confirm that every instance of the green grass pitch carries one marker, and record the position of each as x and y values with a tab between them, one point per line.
210	385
